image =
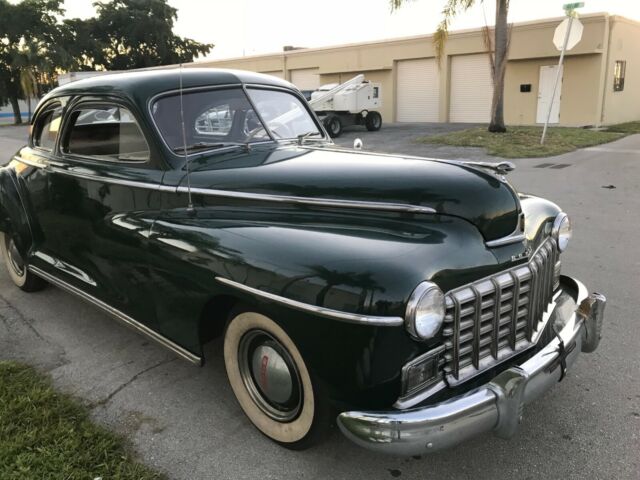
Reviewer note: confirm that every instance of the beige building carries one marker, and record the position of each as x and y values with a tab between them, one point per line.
600	78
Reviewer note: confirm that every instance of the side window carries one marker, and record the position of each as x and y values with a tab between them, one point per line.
46	128
109	132
215	121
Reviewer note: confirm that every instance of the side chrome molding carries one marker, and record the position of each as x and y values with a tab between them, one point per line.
515	237
121	317
321	311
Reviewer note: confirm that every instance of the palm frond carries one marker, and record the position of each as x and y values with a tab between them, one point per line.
450	10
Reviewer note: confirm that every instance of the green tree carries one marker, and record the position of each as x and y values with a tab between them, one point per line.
35	46
29	32
500	49
128	34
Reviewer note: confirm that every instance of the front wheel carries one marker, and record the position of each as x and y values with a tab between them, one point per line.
373	121
272	383
17	267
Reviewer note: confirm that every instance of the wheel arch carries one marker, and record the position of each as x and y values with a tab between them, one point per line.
14	218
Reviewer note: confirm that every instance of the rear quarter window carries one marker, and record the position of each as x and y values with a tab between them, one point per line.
47	127
108	132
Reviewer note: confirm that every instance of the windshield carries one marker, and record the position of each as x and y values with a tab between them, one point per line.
283	113
218	118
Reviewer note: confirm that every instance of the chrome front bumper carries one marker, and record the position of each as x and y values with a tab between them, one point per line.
496	406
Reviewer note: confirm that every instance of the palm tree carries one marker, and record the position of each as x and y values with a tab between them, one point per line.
27	63
29	86
498	60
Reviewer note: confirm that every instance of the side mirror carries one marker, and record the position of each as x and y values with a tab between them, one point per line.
357	144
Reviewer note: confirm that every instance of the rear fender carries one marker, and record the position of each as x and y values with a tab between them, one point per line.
14	218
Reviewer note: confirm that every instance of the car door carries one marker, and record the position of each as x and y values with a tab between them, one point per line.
32	167
104	189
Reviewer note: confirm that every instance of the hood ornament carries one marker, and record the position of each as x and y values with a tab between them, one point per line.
501	168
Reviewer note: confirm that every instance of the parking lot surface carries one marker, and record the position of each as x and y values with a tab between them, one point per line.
185	420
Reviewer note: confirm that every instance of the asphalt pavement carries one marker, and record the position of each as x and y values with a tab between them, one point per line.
185	420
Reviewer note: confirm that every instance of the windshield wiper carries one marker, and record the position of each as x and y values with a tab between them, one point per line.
304	136
194	147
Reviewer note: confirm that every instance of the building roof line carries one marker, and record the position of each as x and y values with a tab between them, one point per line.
540	23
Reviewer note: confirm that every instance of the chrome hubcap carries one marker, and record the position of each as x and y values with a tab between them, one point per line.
15	259
270	376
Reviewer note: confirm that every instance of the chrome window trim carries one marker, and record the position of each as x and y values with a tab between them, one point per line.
120	316
67	127
318	202
316	310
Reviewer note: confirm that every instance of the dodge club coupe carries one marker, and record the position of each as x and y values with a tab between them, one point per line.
417	302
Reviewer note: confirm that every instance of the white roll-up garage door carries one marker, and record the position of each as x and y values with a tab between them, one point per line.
471	89
275	73
306	78
417	91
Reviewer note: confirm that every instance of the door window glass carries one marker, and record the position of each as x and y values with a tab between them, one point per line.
107	131
47	127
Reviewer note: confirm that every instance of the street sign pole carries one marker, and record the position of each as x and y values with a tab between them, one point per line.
571	14
555	84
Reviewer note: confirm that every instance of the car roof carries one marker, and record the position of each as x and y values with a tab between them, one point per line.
140	85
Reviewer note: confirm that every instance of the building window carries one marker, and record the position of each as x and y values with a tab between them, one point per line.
618	75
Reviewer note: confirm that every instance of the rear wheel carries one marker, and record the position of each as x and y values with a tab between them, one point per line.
333	124
373	121
17	266
272	383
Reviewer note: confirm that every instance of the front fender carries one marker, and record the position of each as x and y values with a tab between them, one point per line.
367	265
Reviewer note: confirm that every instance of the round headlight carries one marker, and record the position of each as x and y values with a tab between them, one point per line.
425	311
562	231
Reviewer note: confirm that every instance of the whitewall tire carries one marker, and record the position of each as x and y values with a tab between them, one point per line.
271	381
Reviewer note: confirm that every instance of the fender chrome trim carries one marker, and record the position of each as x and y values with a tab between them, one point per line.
515	237
121	317
314	309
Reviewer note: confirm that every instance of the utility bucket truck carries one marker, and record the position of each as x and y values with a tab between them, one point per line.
353	102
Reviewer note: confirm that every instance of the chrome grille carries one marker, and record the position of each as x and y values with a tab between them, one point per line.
497	317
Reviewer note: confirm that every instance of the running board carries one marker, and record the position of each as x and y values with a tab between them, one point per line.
121	317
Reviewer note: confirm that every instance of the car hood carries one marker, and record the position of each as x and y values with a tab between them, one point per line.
449	188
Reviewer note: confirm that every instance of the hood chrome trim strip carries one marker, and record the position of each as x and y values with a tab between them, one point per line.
321	311
317	202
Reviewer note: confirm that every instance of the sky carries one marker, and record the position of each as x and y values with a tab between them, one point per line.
252	27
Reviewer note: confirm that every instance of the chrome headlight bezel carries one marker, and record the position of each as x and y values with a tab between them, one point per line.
423	326
562	231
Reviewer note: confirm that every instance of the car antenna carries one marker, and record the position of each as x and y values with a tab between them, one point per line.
190	208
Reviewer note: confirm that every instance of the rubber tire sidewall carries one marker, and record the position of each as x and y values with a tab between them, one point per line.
370	123
306	429
27	281
19	280
329	121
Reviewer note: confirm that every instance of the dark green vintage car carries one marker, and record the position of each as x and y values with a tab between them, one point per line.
418	299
